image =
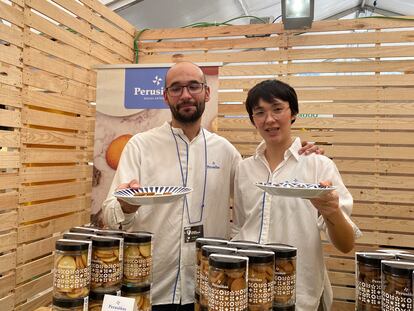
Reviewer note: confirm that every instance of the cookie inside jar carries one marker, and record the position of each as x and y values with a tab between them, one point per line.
228	278
96	299
64	304
137	258
260	279
71	269
368	279
141	294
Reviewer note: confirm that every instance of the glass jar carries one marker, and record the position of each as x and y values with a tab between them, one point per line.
86	230
141	294
261	279
368	279
285	275
72	272
397	285
96	299
106	273
243	244
137	258
392	251
62	304
228	282
206	251
200	242
107	232
405	256
78	236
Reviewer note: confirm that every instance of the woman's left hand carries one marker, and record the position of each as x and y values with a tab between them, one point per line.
328	203
308	148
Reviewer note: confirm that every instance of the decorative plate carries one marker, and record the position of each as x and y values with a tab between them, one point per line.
295	189
152	194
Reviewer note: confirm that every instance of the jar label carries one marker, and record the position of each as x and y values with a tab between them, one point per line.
204	288
369	292
110	272
72	278
137	267
397	301
284	285
222	300
260	292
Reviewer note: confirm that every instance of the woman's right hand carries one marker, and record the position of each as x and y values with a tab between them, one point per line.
126	207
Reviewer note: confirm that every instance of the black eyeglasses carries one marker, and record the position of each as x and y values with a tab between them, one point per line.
193	88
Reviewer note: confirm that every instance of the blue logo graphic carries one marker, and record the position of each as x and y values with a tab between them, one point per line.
144	88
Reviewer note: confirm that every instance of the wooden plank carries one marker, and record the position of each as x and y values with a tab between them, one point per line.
39	60
50	173
55	102
388	225
9	180
39	211
369	166
387	239
10	118
46	81
9	159
80	26
318	67
55	120
384	210
7	303
7	262
8	200
11	35
8	241
386	196
11	14
11	54
10	97
32	269
379	181
343	292
7	283
11	76
341	278
46	228
50	156
343	305
42	300
8	221
32	288
52	191
340	264
26	252
57	138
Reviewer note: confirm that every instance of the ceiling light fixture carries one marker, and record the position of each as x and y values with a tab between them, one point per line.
297	14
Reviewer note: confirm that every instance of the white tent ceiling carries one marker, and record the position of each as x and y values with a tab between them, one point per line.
178	13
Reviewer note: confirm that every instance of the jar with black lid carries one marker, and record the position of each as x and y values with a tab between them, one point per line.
78	236
86	230
137	258
261	278
228	282
141	294
62	304
285	275
106	264
243	244
72	272
96	299
397	285
107	232
405	256
368	279
200	242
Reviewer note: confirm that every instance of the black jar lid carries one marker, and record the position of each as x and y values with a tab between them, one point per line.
406	256
244	245
105	242
138	237
135	289
259	256
114	233
227	261
210	241
281	250
100	296
68	303
83	230
63	245
398	267
286	308
207	250
78	236
372	258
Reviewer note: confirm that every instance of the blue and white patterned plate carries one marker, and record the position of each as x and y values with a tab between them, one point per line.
294	189
152	194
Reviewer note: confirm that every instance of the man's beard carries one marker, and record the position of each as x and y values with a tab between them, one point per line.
188	118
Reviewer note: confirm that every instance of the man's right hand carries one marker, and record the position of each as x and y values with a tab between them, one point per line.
126	207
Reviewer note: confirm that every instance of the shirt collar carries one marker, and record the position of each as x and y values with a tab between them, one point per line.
293	149
178	131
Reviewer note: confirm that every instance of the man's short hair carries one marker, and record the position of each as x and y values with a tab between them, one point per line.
268	91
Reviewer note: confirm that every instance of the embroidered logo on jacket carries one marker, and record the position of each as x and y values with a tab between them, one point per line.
213	165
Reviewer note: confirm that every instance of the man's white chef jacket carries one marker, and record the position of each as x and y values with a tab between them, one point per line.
275	219
152	159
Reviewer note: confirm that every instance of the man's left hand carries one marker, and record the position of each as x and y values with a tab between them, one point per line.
308	148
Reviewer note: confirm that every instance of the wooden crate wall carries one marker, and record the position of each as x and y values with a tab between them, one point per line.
47	89
350	103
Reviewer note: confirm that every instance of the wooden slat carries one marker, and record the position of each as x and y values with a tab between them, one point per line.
10	118
49	173
381	181
46	192
57	138
9	159
379	224
8	242
8	221
390	196
8	200
343	292
369	166
28	251
340	264
43	300
11	54
11	14
28	271
7	283
10	97
340	278
11	35
7	303
9	180
43	118
32	288
7	262
55	101
39	211
384	210
39	60
11	76
46	228
45	155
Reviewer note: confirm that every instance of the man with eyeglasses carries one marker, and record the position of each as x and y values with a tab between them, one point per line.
183	153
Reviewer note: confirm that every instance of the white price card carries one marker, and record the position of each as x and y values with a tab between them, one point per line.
117	303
